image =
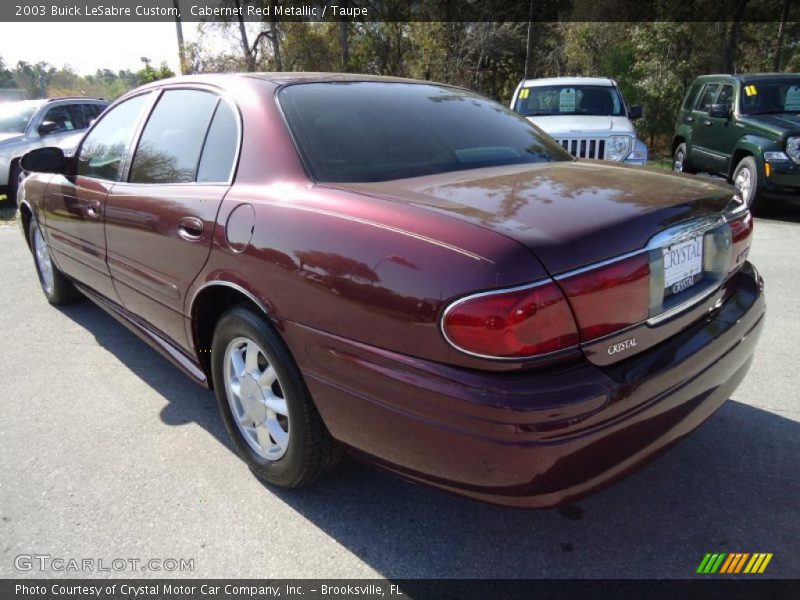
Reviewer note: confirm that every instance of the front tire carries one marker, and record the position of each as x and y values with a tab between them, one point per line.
13	182
265	405
745	180
55	285
680	160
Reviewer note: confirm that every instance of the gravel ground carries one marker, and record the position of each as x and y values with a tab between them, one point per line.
107	451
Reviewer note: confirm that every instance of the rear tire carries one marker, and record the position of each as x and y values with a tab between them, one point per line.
680	160
55	285
745	180
265	405
13	182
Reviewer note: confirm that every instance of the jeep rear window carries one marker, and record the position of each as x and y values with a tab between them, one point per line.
376	131
771	96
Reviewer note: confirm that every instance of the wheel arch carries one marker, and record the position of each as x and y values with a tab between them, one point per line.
736	157
209	303
677	141
25	215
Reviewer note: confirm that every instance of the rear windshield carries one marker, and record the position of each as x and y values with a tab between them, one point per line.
548	100
773	96
377	131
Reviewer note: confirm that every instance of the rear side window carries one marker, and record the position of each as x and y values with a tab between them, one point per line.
170	146
104	149
709	93
689	101
60	119
725	95
219	150
91	111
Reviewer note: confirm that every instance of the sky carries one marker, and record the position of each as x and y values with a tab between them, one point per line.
87	47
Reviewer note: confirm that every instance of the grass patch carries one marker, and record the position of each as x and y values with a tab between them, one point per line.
660	163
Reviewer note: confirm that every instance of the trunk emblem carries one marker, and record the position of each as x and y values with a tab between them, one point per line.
621	346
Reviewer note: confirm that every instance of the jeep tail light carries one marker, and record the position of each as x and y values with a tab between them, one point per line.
611	297
519	323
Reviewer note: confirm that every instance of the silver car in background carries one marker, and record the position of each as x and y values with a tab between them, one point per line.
29	124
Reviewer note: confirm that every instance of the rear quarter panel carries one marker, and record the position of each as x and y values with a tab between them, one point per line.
361	268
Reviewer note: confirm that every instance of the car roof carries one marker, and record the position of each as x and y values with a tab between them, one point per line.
746	76
282	78
604	81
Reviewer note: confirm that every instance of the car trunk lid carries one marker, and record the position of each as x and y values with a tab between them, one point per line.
601	232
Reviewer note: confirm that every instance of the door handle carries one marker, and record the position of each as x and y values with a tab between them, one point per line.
708	123
689	119
93	209
190	228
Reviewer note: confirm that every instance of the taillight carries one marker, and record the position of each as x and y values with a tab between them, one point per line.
519	323
610	298
741	238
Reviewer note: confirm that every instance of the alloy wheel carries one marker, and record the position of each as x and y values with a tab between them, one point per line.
744	185
256	398
677	165
43	261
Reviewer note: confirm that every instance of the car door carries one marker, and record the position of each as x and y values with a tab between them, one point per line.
160	221
702	157
74	205
721	134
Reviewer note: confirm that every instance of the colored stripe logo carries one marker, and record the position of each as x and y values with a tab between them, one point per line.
735	562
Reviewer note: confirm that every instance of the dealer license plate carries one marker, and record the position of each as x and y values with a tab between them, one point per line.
683	265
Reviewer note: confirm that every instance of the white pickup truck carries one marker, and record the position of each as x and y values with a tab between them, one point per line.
586	115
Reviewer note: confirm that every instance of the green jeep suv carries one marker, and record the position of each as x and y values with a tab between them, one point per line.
745	128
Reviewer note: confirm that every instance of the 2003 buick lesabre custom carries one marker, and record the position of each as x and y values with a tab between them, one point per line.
406	271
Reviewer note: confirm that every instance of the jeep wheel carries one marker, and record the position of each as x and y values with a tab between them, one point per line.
745	180
680	162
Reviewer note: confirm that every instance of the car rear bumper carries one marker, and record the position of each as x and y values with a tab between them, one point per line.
530	438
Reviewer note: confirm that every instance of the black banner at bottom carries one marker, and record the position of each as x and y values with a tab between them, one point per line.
398	589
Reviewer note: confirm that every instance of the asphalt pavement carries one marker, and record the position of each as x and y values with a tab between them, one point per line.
108	452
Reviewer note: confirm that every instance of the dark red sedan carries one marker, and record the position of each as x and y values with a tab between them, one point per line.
406	271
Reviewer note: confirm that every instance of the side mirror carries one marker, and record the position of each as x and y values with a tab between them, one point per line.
719	111
635	112
44	160
48	127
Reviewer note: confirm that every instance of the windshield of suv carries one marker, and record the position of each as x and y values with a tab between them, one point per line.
15	116
376	131
548	100
771	96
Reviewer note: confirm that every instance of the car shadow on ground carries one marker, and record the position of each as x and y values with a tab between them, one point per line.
732	486
780	209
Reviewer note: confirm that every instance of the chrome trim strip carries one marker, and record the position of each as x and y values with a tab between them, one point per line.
223	283
496	292
156	340
602	263
675	310
667	237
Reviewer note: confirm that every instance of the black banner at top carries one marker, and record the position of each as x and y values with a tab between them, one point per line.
400	10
